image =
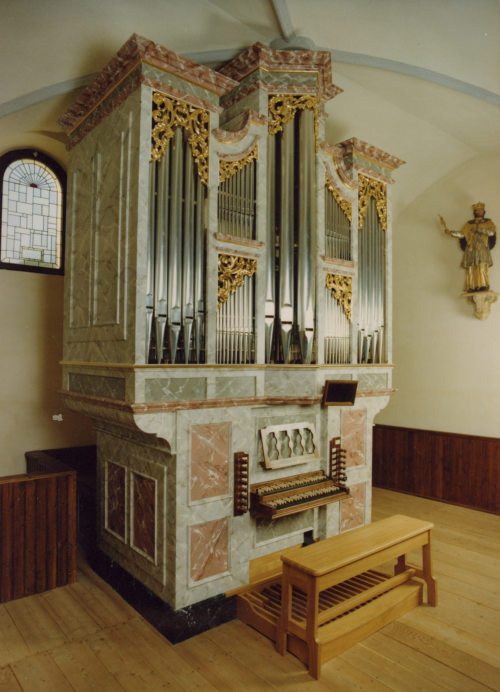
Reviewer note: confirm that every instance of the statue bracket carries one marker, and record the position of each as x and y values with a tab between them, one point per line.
482	300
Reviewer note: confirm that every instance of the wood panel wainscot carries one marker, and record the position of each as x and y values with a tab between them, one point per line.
37	530
451	467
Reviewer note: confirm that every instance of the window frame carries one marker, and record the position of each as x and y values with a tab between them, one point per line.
34	154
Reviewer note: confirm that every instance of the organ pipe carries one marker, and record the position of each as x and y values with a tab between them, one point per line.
290	298
176	256
371	288
307	217
236	203
337	229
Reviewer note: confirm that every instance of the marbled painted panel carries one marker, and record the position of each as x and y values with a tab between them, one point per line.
210	444
352	433
111	232
209	549
283	383
79	242
234	387
115	499
352	509
375	380
176	389
144	514
97	385
266	531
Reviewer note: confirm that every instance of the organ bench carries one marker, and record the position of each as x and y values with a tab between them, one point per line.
333	595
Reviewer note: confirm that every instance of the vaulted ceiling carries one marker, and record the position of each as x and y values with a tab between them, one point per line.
421	80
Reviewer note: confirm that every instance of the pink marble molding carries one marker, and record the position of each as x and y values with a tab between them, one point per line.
136	50
139	408
349	155
260	56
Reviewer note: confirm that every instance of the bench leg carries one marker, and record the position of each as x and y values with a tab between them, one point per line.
427	574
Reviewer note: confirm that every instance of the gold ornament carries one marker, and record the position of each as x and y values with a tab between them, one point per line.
168	115
341	288
369	187
282	109
344	204
228	168
232	272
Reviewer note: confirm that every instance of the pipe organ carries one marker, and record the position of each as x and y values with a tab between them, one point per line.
223	263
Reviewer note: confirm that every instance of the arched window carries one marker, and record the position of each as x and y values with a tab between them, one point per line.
32	193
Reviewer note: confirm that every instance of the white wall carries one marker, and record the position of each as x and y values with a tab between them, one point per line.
447	362
31	307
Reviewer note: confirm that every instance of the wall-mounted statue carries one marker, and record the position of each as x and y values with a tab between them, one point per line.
477	237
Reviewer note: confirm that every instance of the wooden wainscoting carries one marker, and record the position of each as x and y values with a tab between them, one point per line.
37	531
460	469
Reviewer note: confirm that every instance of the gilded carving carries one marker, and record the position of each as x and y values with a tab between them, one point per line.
369	187
168	115
228	168
343	203
283	107
232	272
341	288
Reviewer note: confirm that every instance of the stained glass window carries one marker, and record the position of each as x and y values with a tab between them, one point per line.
32	212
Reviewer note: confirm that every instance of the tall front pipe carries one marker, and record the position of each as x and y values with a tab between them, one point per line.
287	238
150	261
188	254
270	304
307	216
161	251
175	254
199	269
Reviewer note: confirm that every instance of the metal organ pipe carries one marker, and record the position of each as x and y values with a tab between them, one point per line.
270	306
307	216
286	258
290	297
176	255
235	332
337	229
337	331
161	253
371	282
236	203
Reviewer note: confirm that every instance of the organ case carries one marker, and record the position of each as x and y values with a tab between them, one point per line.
224	262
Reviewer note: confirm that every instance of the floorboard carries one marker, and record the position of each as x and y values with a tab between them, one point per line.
84	636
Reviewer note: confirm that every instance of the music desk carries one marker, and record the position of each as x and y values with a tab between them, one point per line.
333	596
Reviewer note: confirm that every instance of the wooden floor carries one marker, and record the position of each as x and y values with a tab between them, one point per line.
85	637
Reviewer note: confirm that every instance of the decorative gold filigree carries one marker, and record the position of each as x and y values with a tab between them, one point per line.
168	115
344	204
369	187
232	272
341	288
228	168
282	109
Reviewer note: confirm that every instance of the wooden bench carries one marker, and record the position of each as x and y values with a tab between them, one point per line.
332	595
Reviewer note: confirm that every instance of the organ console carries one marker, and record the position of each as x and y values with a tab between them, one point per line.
280	498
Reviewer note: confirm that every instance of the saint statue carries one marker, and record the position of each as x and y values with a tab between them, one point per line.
477	237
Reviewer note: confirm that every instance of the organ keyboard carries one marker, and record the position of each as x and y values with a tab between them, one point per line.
279	498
